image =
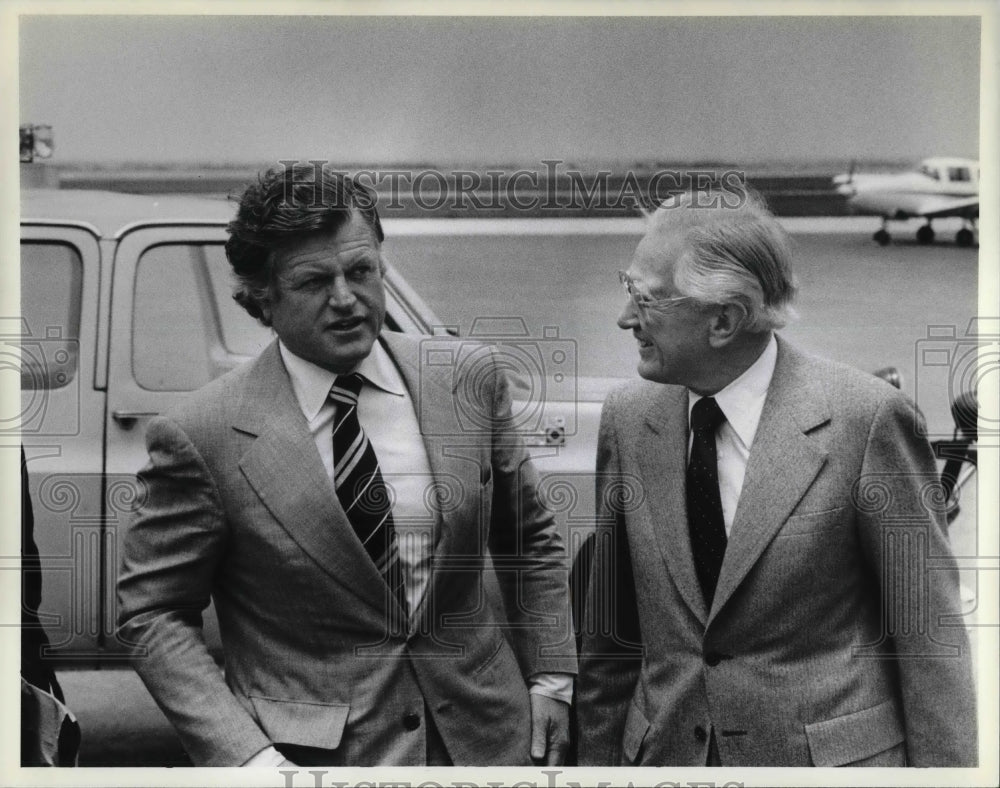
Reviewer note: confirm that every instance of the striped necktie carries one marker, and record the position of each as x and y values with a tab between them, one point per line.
360	487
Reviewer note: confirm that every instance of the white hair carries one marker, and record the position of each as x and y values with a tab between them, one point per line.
733	251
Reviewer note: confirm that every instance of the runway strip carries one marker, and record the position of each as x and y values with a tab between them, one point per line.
819	225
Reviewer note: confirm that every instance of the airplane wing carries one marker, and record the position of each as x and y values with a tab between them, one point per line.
940	207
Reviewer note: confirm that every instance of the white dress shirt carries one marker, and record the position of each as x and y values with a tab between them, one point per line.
387	415
742	402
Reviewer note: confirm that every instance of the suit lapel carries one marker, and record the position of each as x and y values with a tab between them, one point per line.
285	470
783	462
663	458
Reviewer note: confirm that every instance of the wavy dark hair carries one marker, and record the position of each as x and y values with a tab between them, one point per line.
285	204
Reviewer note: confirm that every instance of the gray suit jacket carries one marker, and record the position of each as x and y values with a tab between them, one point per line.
240	510
833	637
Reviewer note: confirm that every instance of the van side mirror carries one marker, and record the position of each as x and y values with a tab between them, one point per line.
890	375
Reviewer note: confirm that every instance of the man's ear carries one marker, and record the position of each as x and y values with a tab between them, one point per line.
264	305
726	324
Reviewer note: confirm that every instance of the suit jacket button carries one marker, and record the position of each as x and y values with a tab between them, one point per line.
713	658
700	734
411	721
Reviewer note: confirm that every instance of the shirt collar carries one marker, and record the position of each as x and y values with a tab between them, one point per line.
312	383
743	399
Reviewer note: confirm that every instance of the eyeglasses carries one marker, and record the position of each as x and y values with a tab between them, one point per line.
644	303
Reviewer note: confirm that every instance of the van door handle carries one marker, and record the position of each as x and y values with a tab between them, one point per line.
126	418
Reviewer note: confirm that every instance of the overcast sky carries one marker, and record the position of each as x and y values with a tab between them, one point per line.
382	90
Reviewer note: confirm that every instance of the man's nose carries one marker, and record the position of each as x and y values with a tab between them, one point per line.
628	319
341	294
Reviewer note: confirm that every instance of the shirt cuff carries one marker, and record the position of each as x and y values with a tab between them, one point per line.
558	686
267	757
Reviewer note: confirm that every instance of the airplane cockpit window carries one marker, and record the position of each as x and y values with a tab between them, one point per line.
958	173
930	172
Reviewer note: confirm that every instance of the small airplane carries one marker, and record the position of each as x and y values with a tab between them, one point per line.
939	187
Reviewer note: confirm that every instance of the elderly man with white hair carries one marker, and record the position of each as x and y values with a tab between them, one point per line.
776	587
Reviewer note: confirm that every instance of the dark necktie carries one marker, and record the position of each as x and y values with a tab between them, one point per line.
360	487
704	504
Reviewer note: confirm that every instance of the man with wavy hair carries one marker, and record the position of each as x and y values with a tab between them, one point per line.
346	528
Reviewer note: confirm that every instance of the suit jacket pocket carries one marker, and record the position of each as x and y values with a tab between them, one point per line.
814	522
300	722
493	652
854	737
636	728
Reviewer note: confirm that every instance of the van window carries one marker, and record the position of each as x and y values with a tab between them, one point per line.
241	334
186	327
958	174
51	284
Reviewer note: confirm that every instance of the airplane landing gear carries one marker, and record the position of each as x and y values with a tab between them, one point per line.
925	234
965	236
882	237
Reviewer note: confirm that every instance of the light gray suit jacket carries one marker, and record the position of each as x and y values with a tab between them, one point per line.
833	637
240	510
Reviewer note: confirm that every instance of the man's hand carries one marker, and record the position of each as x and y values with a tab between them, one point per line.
549	730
